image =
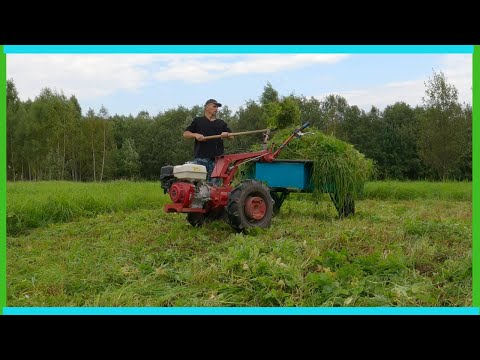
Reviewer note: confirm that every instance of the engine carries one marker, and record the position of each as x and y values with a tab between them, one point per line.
182	193
187	172
186	185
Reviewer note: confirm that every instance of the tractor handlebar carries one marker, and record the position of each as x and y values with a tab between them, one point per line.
295	134
304	126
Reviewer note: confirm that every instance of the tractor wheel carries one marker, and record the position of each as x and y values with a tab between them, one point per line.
250	205
345	209
278	199
196	219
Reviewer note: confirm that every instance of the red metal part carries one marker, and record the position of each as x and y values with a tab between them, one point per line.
227	165
181	193
255	207
168	208
219	196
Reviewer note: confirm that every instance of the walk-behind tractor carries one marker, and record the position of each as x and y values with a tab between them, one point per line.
251	203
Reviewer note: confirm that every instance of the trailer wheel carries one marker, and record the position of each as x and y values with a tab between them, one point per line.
345	209
196	219
250	205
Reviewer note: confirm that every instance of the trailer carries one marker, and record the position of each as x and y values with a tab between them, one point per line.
284	176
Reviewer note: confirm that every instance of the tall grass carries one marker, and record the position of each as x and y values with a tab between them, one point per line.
36	204
460	191
337	166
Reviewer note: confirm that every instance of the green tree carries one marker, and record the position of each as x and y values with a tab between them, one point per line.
464	170
283	114
289	114
251	116
128	159
269	95
51	118
441	134
279	112
311	111
103	114
15	116
93	134
364	131
334	108
398	143
74	131
144	115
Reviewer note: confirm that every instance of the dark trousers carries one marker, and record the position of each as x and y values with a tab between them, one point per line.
209	164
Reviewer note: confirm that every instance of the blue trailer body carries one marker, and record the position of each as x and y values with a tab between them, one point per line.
286	174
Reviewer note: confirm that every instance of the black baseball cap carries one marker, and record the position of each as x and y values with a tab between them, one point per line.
213	101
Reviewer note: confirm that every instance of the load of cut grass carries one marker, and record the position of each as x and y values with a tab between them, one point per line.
338	168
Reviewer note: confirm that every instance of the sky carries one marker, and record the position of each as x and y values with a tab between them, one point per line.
129	83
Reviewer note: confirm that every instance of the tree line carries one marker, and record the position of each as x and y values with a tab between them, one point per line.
48	138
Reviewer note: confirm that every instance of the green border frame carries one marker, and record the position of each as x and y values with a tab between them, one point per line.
475	177
3	180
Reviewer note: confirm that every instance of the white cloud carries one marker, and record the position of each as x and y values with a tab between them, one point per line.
208	68
457	69
410	92
86	76
90	76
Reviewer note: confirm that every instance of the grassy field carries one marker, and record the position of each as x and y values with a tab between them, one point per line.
111	244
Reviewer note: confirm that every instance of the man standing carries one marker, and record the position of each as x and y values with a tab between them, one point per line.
205	151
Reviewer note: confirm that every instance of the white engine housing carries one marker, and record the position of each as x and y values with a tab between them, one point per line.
190	172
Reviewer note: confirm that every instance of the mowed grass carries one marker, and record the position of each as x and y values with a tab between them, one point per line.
393	252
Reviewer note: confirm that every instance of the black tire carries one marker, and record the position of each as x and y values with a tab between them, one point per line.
347	208
278	201
238	218
196	219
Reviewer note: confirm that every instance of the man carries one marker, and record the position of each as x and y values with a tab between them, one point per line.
205	151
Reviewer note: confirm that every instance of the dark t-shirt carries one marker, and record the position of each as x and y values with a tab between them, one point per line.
210	148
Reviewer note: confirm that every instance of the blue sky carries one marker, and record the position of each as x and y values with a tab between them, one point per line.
128	83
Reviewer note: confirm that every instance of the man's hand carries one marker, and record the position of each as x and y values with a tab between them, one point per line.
200	137
227	135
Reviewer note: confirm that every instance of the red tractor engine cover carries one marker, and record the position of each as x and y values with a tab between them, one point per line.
181	193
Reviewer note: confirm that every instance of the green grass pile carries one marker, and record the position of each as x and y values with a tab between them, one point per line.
337	166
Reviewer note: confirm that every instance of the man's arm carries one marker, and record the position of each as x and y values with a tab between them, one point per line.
191	135
190	132
226	131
